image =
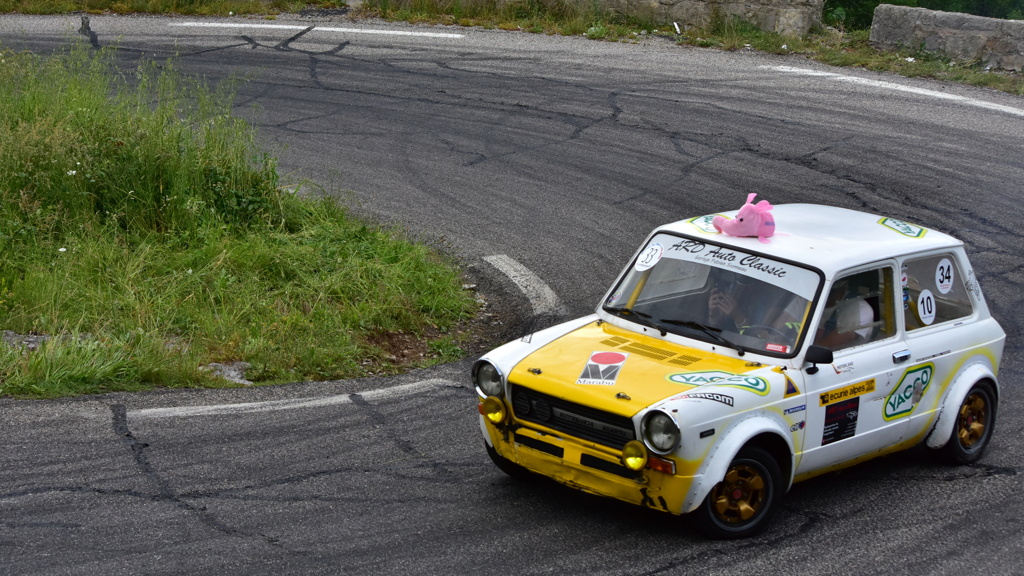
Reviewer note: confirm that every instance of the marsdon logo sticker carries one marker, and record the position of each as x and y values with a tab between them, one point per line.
602	368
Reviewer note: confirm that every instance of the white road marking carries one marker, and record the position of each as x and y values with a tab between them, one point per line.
293	404
315	29
900	88
541	297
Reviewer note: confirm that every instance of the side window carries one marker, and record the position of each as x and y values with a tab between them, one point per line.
933	291
859	309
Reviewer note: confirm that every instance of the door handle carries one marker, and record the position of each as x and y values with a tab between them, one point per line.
901	356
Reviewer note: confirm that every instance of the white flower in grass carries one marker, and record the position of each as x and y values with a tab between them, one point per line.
72	172
62	249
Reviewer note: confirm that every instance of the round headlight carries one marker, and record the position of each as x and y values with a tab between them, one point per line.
634	455
660	432
488	379
494	410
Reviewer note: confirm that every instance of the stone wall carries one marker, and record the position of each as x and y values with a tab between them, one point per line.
992	41
792	17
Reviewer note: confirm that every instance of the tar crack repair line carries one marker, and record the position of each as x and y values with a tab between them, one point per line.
138	449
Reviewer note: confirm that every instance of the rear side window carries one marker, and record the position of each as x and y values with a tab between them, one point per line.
933	291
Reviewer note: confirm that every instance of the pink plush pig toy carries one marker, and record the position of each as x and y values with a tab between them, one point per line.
751	220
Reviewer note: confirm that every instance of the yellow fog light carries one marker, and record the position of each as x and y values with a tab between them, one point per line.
493	409
634	455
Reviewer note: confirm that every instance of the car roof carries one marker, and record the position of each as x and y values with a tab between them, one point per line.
826	237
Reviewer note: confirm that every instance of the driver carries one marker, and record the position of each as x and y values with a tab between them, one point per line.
741	304
732	302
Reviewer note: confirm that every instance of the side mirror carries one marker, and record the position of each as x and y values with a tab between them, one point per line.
817	355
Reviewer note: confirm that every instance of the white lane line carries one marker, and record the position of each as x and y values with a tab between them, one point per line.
900	88
293	404
315	29
541	297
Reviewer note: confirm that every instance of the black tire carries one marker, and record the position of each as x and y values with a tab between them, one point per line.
975	422
742	504
509	467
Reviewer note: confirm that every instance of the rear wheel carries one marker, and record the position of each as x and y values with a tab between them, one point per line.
744	501
975	421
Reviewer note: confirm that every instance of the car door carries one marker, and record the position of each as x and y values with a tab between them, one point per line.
845	400
939	332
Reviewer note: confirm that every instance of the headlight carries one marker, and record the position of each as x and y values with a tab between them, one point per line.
494	410
488	380
660	432
634	455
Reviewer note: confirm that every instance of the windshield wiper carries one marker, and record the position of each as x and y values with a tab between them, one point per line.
711	331
641	317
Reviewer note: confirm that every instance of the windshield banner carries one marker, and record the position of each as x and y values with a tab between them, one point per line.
800	281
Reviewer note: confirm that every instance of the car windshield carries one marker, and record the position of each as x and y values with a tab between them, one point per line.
717	294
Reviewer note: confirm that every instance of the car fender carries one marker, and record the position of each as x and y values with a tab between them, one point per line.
716	463
958	389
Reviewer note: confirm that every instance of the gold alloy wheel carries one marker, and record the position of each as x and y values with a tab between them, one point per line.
740	496
973	420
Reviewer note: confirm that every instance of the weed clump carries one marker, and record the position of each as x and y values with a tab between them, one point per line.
143	232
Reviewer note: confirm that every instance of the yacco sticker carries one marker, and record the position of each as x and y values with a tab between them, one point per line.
908	391
602	368
698	378
851	391
944	276
776	348
904	228
649	257
724	399
754	384
703	223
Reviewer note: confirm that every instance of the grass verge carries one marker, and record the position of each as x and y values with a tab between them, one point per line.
143	235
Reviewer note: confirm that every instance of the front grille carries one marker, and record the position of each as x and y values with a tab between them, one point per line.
606	466
540	445
572	418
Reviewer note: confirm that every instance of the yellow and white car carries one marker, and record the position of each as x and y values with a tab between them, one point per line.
719	370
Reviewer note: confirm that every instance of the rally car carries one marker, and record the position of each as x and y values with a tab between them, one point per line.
718	370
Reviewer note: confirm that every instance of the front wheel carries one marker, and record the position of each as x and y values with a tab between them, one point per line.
743	502
975	420
509	467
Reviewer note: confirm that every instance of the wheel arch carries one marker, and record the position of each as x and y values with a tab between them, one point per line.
962	384
760	431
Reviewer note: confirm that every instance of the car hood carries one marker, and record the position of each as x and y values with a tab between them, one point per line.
623	372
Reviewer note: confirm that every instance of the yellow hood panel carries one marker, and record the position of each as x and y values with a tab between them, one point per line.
618	370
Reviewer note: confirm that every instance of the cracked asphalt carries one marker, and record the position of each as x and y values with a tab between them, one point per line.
561	153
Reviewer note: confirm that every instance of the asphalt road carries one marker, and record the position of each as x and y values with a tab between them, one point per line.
559	154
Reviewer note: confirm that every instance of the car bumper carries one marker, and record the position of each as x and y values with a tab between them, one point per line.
589	467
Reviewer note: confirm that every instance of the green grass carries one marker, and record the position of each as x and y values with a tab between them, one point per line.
194	7
144	232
